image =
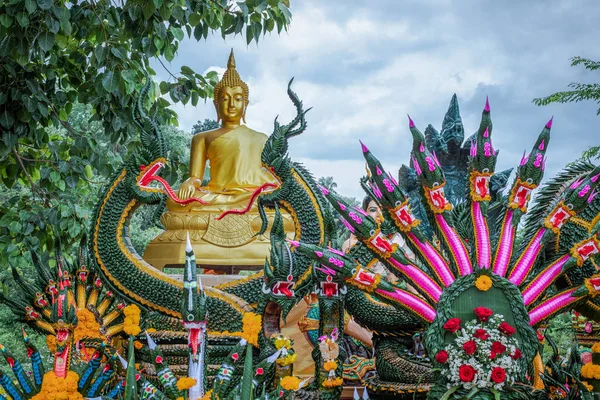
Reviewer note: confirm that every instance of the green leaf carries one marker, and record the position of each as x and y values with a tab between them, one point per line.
177	32
165	12
46	40
170	52
159	43
54	176
23	19
164	87
30	6
194	19
110	81
6	20
45	4
62	115
61	185
6	119
72	181
119	52
270	24
187	70
148	9
249	34
195	98
88	172
286	12
61	41
447	395
244	8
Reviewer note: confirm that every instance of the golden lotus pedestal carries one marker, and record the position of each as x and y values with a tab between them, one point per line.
227	246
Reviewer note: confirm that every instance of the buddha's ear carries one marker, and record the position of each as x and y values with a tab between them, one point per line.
218	113
244	113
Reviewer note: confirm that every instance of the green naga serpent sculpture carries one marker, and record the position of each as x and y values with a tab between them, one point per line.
559	248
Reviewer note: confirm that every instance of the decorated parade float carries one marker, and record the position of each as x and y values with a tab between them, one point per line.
480	268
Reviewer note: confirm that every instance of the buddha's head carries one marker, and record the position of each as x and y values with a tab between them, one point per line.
231	95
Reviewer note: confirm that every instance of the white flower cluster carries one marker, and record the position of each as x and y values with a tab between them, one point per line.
481	359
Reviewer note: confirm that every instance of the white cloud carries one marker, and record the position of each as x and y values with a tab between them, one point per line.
362	70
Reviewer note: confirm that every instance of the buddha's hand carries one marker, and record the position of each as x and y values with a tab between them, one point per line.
188	188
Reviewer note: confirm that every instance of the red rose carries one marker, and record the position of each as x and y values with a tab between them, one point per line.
158	359
498	347
441	356
260	371
452	325
470	347
466	373
481	334
483	313
235	356
506	329
498	375
516	355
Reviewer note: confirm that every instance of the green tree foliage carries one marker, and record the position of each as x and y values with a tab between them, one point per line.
206	125
578	92
560	329
58	196
56	53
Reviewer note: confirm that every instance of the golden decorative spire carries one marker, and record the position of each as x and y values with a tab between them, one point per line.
231	78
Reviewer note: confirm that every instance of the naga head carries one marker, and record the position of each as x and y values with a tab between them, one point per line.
429	171
340	268
284	282
382	186
581	192
193	309
530	171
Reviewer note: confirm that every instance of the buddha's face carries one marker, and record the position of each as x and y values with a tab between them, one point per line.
231	104
374	211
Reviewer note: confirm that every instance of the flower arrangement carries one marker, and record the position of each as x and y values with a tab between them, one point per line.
287	356
330	351
252	325
596	347
484	353
131	324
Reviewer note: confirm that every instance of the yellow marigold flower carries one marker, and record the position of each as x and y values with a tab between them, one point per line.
150	330
483	283
290	383
333	382
138	345
281	342
207	395
185	383
287	360
131	324
252	325
51	343
588	386
330	365
596	347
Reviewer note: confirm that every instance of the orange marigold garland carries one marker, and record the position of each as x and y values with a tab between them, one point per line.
55	388
131	324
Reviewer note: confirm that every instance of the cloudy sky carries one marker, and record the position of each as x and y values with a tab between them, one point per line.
363	66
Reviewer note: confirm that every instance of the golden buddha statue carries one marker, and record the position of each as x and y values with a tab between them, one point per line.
233	152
